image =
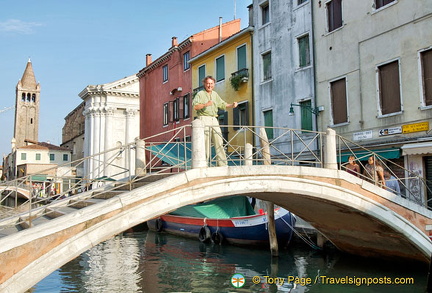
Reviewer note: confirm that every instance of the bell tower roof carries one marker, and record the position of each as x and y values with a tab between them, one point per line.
28	80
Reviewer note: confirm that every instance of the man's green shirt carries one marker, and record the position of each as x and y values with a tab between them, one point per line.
203	97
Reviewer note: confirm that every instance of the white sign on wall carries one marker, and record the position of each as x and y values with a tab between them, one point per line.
362	135
390	131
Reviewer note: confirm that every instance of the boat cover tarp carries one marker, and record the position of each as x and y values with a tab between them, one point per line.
221	208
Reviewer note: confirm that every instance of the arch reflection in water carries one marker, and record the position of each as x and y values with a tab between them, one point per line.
158	262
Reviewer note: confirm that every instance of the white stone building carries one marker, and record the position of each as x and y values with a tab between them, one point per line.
374	76
283	66
111	119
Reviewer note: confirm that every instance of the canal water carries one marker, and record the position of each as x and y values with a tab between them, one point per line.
158	262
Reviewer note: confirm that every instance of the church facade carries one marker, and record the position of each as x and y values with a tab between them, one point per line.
111	118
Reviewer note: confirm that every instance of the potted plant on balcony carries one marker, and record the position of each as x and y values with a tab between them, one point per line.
238	79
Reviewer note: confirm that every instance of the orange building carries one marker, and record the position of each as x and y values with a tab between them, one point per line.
166	83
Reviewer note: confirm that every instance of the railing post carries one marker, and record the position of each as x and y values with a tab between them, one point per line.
140	160
248	154
198	145
330	158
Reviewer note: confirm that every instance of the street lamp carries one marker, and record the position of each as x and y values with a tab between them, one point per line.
313	110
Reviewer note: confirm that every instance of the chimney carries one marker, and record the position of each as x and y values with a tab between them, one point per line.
148	59
220	29
174	42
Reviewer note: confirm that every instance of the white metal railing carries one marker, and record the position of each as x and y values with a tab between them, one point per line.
171	152
403	181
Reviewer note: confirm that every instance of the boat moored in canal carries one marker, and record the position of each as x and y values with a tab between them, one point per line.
229	220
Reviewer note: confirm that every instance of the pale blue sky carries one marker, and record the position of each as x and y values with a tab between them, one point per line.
73	44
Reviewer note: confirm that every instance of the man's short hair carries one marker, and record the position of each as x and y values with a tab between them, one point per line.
208	77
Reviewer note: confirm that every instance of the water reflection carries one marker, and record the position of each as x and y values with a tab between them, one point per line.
152	262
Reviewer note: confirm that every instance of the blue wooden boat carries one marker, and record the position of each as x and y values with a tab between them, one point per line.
231	220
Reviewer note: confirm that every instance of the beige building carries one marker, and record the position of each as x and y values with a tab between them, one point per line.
42	162
374	76
73	132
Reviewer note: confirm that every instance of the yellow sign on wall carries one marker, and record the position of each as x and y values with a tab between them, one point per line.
415	127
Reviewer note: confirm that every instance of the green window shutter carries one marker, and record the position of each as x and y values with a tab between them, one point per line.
304	52
267	74
241	57
268	122
306	115
220	68
201	74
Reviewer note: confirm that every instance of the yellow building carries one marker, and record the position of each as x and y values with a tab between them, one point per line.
230	63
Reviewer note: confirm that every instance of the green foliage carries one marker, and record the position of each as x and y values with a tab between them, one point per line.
237	80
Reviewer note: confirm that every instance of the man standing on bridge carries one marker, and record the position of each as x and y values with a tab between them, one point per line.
207	103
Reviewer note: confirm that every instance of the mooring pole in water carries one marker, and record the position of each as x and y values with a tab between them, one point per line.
274	249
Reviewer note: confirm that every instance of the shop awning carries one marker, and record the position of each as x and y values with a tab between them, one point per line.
363	155
174	154
38	177
420	148
180	154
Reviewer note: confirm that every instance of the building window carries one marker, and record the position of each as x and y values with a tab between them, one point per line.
304	51
426	68
33	98
241	57
389	88
268	123
266	61
165	114
38	157
338	98
265	13
220	68
381	3
165	73
23	97
65	157
334	14
175	109
186	57
241	115
201	74
300	2
186	106
23	156
52	157
267	72
28	97
306	115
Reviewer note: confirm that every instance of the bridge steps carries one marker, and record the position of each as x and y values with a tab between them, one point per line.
108	194
10	230
79	204
65	207
141	181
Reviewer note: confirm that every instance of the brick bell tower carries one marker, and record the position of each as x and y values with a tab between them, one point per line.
27	107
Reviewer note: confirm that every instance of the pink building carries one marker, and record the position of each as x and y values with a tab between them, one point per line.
166	83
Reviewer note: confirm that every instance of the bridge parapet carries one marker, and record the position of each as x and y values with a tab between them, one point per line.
173	151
